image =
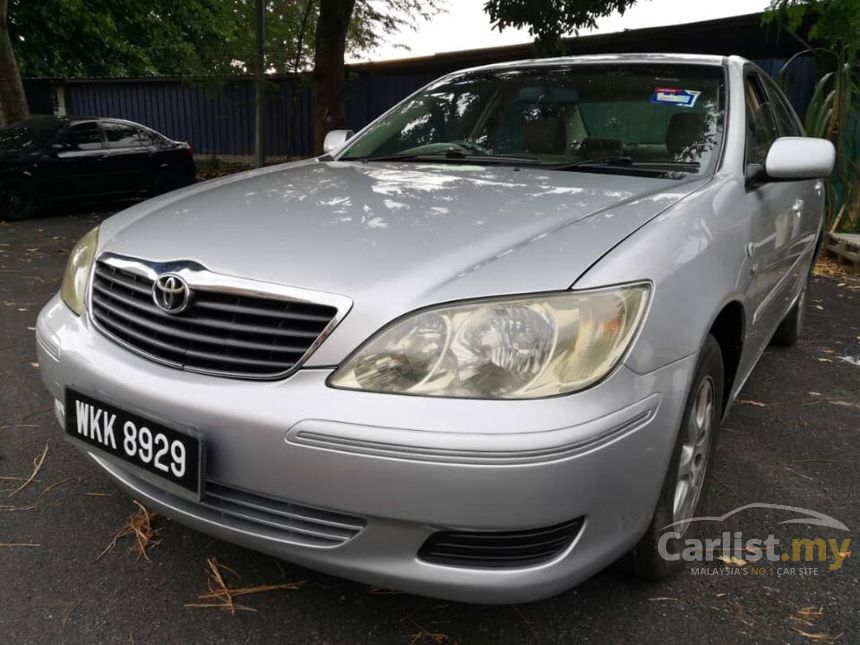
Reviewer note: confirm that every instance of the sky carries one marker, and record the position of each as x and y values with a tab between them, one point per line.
466	26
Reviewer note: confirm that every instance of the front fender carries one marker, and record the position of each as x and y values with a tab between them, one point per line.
694	253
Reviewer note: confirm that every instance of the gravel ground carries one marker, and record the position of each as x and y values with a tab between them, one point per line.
792	439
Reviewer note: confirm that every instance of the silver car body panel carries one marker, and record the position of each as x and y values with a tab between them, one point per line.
393	237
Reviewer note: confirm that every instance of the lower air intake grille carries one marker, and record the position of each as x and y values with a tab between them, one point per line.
301	524
499	548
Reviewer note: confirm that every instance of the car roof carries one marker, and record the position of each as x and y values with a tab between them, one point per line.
608	59
39	119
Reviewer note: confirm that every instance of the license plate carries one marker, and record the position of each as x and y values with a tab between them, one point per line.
173	456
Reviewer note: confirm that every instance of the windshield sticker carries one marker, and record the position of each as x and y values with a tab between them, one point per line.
675	96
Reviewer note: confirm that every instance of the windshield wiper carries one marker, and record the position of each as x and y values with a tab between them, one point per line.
450	155
613	160
621	164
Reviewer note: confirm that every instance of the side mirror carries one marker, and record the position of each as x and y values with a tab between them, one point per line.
58	146
793	158
335	139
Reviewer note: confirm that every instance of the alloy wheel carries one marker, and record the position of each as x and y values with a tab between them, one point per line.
693	463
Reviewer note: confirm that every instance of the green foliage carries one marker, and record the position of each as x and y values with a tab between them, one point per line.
109	38
835	22
75	38
834	110
549	20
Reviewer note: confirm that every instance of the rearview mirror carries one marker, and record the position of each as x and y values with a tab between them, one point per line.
335	139
792	158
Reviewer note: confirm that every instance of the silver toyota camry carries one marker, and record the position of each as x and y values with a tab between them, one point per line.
479	350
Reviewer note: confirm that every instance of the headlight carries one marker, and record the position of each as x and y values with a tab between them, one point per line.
77	272
507	348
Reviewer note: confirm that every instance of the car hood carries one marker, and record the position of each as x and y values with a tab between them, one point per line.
396	236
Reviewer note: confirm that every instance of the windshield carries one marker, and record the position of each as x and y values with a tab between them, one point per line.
580	116
27	134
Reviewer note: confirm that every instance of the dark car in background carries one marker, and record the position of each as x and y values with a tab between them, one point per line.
47	160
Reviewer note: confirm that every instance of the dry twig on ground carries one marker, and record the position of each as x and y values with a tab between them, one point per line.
138	524
37	465
808	616
222	596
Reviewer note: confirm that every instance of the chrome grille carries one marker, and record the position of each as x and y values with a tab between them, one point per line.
221	332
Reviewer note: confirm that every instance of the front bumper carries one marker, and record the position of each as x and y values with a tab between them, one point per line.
403	467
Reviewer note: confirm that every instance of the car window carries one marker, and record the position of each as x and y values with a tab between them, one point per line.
761	127
122	135
81	137
28	134
785	119
149	138
669	116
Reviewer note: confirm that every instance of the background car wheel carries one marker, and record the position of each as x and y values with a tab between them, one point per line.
687	480
165	182
15	200
789	329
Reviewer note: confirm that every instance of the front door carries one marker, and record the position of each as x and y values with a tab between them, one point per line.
774	211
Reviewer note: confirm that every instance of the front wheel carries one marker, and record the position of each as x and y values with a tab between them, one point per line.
15	200
686	483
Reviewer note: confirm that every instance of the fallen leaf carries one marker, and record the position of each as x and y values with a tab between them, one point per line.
846	404
817	637
758	404
731	560
817	612
16	508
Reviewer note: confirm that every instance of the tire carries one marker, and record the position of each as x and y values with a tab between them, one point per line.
644	560
16	200
791	327
164	182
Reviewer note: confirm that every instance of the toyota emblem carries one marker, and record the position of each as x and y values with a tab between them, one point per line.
171	293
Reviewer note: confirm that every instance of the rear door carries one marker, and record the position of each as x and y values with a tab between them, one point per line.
773	213
130	157
76	168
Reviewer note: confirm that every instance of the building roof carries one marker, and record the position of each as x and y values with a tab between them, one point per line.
744	35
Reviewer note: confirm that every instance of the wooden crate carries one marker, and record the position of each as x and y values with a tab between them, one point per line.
845	248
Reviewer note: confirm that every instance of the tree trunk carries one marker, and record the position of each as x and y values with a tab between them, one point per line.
334	17
13	101
259	81
296	68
